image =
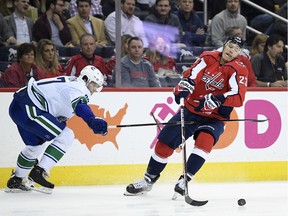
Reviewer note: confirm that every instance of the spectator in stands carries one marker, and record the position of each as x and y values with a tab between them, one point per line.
19	73
258	44
84	23
47	59
135	70
86	57
7	8
234	31
19	23
193	33
158	55
96	8
162	15
269	66
130	24
51	25
221	21
124	50
6	35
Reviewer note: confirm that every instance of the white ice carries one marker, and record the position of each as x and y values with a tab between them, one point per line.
263	199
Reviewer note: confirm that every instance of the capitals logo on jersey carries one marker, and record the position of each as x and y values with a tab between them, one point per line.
212	82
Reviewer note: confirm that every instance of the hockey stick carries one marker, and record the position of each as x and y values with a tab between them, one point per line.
158	125
186	122
188	199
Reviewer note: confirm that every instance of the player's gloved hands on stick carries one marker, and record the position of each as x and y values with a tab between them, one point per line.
183	89
210	102
98	125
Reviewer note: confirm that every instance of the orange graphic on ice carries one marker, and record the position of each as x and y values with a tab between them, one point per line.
86	136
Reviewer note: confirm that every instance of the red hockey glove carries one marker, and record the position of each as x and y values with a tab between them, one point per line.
183	89
209	103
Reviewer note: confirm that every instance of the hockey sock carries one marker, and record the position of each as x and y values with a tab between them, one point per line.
56	150
156	165
203	146
27	159
196	160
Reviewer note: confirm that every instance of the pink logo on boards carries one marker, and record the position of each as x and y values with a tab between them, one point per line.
163	113
254	139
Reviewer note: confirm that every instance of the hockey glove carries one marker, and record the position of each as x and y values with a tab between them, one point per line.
183	89
209	103
98	125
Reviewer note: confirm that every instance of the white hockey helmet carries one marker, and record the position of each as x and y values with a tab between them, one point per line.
92	74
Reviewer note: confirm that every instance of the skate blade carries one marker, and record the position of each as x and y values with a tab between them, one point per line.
16	190
38	188
126	193
175	196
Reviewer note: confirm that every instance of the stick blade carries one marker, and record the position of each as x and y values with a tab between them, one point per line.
262	120
193	202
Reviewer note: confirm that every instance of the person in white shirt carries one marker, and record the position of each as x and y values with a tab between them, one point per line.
20	24
130	24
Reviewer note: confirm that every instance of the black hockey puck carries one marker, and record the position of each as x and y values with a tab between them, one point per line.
241	202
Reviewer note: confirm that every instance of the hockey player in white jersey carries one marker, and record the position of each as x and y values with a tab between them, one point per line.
40	112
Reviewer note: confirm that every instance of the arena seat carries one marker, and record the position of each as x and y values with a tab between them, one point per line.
181	67
188	54
167	81
8	53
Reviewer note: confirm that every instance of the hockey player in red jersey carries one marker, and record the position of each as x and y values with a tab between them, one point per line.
211	87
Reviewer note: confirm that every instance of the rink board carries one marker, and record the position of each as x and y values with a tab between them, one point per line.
246	151
123	174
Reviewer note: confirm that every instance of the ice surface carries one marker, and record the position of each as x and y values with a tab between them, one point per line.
263	199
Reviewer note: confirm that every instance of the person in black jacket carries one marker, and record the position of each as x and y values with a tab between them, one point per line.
269	66
52	25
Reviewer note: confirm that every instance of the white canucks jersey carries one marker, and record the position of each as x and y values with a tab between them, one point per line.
59	95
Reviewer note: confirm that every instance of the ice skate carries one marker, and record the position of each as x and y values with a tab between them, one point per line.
37	177
142	186
16	185
179	188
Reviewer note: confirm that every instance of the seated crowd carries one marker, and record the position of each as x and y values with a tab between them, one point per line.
160	40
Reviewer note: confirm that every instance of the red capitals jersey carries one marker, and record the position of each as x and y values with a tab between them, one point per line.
77	62
229	79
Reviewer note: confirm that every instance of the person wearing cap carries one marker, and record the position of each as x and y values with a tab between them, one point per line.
214	84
